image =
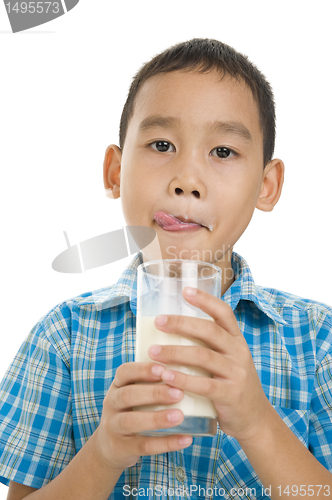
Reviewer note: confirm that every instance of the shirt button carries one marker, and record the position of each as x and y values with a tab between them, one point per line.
180	474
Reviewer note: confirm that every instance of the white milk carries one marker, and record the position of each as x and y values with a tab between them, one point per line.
147	335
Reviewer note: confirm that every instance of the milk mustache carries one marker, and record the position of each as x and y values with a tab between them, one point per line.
146	335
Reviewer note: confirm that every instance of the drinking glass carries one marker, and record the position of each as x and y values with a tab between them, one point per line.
159	291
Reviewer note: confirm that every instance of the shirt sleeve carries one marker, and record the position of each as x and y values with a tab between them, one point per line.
36	438
320	415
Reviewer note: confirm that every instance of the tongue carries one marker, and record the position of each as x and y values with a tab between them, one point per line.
171	223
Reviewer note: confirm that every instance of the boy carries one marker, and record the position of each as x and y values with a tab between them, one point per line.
195	159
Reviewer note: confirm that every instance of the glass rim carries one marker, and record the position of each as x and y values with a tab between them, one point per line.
158	261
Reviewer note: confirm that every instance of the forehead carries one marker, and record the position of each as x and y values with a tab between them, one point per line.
197	98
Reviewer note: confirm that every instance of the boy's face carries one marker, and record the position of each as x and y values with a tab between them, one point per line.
193	149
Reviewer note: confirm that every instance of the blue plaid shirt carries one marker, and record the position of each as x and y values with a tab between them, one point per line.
52	394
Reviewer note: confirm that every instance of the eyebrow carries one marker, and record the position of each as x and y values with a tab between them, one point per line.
158	121
231	127
234	128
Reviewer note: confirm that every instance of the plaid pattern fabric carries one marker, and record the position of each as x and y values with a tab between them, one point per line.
52	394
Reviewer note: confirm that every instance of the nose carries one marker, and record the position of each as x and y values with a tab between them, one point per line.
179	191
188	181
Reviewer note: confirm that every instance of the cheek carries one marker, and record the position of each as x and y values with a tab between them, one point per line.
238	205
245	192
136	197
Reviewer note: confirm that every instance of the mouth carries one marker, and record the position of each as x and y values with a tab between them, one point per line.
177	223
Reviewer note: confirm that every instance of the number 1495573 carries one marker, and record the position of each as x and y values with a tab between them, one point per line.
309	490
33	7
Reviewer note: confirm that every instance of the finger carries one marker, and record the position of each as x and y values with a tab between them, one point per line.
132	372
197	356
203	386
161	444
148	394
221	312
201	329
133	422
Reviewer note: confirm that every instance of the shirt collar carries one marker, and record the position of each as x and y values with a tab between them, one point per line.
244	288
125	290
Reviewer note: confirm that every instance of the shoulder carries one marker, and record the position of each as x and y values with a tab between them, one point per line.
287	305
305	318
286	302
56	326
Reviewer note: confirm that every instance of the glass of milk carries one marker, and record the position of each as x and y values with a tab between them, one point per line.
159	291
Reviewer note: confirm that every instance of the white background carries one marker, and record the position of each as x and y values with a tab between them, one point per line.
62	89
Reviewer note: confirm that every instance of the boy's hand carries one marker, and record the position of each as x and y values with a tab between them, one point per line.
234	388
119	445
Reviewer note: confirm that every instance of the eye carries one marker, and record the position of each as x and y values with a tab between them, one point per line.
222	152
162	146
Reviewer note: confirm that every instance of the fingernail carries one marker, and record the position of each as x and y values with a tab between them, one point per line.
154	349
185	441
168	376
157	370
175	393
174	415
191	292
161	320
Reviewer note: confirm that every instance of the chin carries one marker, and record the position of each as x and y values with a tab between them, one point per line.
186	253
185	246
196	252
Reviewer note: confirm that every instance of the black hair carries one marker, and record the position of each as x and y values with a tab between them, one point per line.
205	55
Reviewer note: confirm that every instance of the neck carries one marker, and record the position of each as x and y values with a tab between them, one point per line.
153	252
227	273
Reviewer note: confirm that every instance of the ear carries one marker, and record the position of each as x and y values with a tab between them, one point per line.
112	168
271	185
